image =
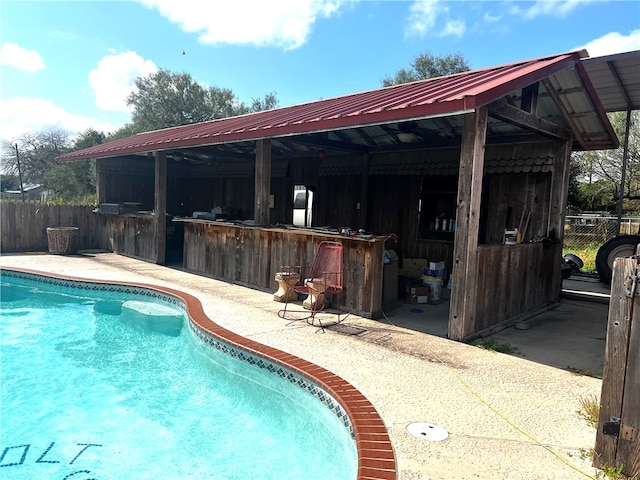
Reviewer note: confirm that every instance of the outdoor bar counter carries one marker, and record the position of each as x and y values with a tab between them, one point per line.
252	255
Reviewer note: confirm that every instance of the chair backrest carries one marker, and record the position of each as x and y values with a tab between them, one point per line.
328	264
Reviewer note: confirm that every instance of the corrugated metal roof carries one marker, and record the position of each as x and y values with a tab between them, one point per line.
616	78
431	98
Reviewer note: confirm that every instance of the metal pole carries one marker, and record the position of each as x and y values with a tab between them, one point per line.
625	154
19	173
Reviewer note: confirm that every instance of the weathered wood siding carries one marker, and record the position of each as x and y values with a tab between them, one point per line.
509	200
128	179
24	225
130	235
514	280
252	256
620	397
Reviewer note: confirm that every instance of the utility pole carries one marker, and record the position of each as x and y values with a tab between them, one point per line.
19	173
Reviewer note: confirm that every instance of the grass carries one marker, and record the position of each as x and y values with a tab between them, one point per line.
587	254
607	472
494	346
615	473
590	410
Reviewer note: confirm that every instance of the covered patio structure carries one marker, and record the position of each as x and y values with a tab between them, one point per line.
483	152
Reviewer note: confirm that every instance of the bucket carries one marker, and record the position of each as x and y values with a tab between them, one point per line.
435	287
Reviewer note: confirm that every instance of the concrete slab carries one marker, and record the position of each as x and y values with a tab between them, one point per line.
508	416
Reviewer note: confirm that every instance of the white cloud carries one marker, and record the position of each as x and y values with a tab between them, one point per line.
558	8
64	35
425	17
613	42
455	28
14	55
280	23
490	18
21	115
114	78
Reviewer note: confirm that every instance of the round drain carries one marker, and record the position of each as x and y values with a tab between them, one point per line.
428	431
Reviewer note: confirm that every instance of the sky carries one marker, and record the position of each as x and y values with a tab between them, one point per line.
70	65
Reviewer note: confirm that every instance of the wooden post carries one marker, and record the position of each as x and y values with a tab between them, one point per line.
160	207
101	184
462	312
559	189
364	190
262	181
557	205
620	372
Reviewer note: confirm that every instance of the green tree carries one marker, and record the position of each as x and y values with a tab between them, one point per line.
76	181
428	65
165	99
9	182
37	154
603	168
596	196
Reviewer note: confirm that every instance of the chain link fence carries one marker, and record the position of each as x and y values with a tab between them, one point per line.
584	234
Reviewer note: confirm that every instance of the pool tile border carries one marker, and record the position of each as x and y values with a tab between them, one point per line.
376	457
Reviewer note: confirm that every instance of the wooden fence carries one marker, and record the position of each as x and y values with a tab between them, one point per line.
618	436
24	225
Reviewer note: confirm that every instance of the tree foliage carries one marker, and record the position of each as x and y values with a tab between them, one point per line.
162	100
76	181
428	65
37	152
165	99
599	172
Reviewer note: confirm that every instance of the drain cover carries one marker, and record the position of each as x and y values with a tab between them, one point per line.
428	431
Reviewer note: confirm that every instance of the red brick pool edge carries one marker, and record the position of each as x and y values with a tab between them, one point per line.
376	458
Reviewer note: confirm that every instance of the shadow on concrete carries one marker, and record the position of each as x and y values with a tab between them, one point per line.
571	336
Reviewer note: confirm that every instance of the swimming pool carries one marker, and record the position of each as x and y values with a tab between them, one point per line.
94	394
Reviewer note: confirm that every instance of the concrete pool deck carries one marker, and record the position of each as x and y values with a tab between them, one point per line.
508	416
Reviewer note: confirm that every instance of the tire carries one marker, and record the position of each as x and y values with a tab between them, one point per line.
622	246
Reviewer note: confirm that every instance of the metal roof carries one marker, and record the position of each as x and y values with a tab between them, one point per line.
616	79
430	111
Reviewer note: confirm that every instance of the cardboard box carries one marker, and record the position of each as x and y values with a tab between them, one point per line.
417	294
437	265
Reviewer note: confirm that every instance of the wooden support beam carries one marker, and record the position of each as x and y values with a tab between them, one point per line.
320	142
528	121
101	181
262	181
364	191
160	207
558	195
556	98
462	311
559	189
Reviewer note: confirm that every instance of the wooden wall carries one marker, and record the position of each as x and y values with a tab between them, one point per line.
130	235
127	179
24	225
515	280
510	199
620	395
252	256
24	229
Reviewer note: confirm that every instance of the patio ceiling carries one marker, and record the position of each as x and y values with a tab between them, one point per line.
616	78
427	113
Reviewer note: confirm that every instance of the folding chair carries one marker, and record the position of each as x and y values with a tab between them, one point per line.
321	283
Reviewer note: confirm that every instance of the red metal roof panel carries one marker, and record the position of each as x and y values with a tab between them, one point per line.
422	99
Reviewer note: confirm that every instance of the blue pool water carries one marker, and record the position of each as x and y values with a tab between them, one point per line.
94	390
